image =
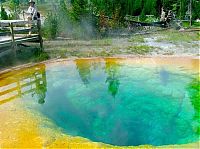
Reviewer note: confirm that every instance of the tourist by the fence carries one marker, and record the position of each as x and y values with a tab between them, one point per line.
32	11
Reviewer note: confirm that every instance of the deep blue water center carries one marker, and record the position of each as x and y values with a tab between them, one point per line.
121	103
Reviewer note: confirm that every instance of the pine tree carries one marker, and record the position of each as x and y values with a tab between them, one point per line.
142	16
79	9
137	6
196	9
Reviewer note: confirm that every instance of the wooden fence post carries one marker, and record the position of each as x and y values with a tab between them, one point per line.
13	38
190	11
40	34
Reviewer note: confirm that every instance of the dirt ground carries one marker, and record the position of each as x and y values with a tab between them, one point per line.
161	43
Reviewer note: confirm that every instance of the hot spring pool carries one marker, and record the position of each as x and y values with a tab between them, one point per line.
123	102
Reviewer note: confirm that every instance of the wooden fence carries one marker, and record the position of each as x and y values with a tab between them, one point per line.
14	32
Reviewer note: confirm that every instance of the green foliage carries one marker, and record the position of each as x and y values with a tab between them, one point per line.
142	16
194	93
74	20
51	26
187	24
182	9
3	15
137	6
79	9
14	7
85	19
149	7
139	49
177	37
127	7
196	9
13	4
151	19
137	39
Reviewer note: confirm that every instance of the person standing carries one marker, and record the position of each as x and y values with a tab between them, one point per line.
32	11
162	18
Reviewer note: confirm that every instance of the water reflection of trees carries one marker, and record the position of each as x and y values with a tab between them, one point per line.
27	81
112	68
194	93
41	88
84	69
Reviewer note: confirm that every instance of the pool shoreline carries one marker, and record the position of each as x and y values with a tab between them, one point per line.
65	138
90	58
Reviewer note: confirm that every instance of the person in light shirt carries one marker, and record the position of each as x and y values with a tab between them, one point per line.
32	11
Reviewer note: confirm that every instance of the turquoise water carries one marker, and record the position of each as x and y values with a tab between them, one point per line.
120	103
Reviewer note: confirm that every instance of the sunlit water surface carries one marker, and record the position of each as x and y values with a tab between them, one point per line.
115	101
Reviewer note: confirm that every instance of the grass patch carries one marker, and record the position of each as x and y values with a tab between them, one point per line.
137	39
187	24
41	56
139	49
65	53
176	36
102	42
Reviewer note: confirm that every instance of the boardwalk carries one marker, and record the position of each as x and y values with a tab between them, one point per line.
14	32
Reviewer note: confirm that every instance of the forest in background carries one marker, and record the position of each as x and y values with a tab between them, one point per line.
79	18
125	7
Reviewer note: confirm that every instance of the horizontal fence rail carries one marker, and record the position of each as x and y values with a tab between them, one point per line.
14	32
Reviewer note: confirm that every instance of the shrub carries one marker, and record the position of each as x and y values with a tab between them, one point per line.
142	16
51	26
3	15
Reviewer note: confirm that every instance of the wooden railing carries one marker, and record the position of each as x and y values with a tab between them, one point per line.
18	32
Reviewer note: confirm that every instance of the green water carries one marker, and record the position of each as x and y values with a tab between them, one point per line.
121	103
